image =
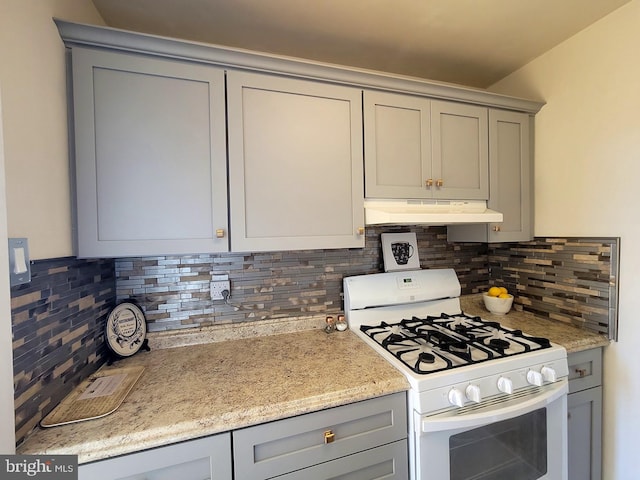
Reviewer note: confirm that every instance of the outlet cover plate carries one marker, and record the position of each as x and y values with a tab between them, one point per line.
219	283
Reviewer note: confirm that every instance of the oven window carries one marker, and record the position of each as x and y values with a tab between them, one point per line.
507	450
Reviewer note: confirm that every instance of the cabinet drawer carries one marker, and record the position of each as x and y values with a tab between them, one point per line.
204	458
389	462
283	446
585	369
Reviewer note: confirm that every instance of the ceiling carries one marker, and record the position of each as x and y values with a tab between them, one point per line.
468	42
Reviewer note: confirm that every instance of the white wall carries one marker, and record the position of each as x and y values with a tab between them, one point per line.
587	183
33	78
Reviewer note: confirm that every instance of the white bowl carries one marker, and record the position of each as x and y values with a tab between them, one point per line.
497	306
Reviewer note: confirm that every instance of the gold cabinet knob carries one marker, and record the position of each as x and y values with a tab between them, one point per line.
439	183
360	230
496	228
220	233
329	436
428	182
582	372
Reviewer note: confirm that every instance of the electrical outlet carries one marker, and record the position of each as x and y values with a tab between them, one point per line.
220	283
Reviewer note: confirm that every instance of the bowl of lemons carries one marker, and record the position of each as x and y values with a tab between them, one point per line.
498	300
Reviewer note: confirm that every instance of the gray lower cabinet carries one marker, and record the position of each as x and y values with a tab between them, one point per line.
206	458
363	440
360	441
585	415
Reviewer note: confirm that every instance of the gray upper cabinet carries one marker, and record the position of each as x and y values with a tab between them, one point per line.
397	142
459	149
157	174
150	155
510	182
421	148
295	163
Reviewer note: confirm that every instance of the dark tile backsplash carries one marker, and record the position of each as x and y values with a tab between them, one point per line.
572	280
58	318
174	291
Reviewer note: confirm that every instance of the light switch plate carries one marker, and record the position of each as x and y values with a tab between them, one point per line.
19	265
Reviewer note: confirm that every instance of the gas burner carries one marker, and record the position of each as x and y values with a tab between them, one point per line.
420	356
438	343
499	344
427	357
460	348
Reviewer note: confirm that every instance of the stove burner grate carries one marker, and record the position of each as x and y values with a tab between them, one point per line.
436	343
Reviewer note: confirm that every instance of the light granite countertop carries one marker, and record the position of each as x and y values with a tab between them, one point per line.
198	390
572	338
205	381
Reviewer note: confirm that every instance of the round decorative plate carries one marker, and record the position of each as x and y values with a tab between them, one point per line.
126	329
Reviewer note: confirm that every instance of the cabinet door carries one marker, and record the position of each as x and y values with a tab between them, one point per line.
585	369
585	434
203	459
510	178
150	155
272	449
397	146
460	153
295	164
388	462
510	182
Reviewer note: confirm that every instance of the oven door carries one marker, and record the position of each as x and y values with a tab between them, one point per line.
521	436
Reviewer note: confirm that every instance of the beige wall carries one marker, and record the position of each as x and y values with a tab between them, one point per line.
587	171
33	151
32	75
7	419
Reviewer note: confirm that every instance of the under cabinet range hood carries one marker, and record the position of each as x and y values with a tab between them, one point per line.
428	212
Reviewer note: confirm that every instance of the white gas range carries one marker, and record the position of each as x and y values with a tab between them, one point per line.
486	402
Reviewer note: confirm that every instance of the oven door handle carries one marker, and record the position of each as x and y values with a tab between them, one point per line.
438	423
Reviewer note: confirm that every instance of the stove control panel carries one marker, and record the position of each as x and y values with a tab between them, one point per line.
460	394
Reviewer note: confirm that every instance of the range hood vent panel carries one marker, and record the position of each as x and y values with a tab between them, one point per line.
429	212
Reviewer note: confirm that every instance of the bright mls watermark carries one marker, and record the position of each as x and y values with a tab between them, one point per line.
52	467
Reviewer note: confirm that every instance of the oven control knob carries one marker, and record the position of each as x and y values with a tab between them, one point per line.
456	397
549	374
505	385
534	378
473	393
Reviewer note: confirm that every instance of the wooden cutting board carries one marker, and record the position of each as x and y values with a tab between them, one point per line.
99	395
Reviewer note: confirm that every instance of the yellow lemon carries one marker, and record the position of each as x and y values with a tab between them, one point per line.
504	295
494	291
503	290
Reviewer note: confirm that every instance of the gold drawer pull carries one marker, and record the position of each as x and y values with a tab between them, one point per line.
439	183
582	372
220	233
329	436
428	182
